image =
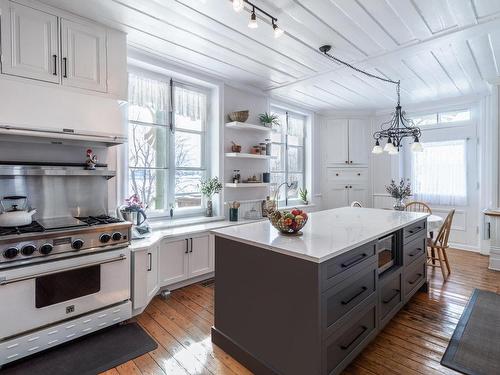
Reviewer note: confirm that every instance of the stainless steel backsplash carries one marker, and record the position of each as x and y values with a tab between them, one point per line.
60	196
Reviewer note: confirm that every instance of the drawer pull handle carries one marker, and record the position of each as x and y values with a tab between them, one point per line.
347	346
415	252
419	275
363	289
353	261
394	295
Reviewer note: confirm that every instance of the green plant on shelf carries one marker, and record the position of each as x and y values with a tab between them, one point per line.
269	119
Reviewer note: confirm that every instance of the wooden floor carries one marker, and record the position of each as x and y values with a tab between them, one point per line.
412	343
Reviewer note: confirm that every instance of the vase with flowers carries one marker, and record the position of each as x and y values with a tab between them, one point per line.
399	192
209	187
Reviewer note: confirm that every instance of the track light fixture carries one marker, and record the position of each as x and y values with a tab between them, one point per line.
239	5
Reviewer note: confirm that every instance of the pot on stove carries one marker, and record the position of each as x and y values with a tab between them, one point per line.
15	211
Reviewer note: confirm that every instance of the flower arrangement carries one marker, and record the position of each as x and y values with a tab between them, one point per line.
209	187
134	203
399	192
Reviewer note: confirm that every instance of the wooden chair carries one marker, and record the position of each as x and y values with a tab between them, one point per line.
416	206
356	204
437	248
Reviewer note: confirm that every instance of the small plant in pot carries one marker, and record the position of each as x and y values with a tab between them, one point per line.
209	187
303	195
269	119
399	192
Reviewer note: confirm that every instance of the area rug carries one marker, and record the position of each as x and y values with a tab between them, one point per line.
474	348
88	355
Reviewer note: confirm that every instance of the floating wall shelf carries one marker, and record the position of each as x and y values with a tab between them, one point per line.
246	126
247	185
239	155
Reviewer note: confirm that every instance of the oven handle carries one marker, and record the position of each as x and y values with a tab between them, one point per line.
5	281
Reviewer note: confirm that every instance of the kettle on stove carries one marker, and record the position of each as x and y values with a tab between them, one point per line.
138	218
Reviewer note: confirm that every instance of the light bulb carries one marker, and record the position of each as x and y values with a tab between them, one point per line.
394	151
238	5
253	21
377	149
277	31
417	147
388	146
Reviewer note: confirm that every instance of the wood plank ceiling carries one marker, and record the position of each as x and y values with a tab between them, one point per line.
439	49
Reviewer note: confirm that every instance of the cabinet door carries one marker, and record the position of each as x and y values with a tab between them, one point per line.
152	272
29	43
83	55
358	193
139	278
335	141
337	196
173	261
200	256
359	147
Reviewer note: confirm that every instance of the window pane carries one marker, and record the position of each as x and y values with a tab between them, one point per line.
298	180
187	181
425	120
439	173
295	141
295	159
150	186
276	180
276	136
188	150
188	201
277	162
190	108
147	146
454	116
187	123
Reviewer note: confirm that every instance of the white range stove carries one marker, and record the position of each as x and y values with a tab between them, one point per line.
61	279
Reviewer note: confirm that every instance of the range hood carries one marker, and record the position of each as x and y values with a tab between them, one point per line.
60	136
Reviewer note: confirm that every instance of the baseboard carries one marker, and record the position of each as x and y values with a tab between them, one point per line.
459	246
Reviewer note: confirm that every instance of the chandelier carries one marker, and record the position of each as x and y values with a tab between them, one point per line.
397	128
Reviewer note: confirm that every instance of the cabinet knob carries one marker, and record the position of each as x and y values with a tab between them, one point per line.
350	187
347	187
346	162
336	174
359	174
350	162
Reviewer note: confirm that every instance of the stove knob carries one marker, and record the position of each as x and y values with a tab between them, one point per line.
45	249
117	236
11	253
77	244
28	250
105	238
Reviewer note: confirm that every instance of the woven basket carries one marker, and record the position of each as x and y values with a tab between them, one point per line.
240	116
277	220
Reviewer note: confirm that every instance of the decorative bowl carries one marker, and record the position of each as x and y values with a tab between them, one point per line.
288	222
240	116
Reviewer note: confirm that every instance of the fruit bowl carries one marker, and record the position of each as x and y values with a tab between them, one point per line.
288	222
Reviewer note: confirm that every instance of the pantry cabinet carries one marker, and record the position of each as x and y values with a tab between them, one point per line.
30	43
185	258
346	142
83	50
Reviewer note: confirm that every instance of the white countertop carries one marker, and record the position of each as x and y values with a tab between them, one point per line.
186	230
327	234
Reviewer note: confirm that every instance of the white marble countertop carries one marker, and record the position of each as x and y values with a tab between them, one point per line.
327	234
185	230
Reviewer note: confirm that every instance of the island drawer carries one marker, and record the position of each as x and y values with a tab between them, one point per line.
342	298
341	347
414	249
415	230
390	297
414	276
341	267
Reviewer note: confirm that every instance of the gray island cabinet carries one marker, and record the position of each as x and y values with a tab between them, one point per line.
308	305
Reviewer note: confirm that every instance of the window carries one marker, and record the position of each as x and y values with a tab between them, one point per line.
288	154
167	145
439	173
442	118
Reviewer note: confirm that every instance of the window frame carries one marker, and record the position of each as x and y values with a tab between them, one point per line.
171	130
286	146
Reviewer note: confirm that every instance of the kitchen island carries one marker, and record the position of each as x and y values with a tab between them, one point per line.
297	305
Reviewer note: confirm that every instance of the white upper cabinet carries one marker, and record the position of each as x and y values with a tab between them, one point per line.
346	142
83	49
30	45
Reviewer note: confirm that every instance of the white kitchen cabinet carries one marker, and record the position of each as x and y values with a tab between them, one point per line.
145	276
342	195
201	256
30	43
83	48
173	261
346	142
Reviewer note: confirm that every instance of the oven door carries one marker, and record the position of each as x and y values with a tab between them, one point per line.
37	295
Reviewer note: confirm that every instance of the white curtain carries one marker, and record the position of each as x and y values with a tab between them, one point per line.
439	173
296	126
189	103
146	92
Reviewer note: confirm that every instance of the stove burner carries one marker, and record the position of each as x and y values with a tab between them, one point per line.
30	228
99	220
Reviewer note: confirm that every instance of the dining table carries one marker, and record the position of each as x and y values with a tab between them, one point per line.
434	222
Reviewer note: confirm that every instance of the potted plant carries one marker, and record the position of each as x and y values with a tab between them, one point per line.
303	195
399	192
269	119
208	188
